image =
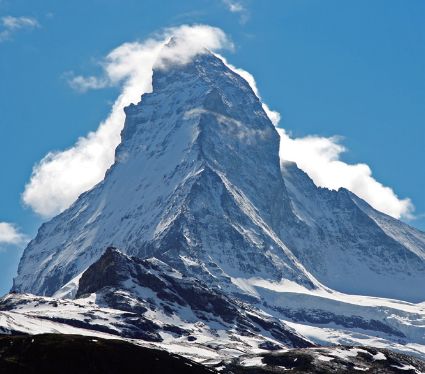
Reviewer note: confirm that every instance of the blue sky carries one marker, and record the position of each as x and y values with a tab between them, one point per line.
350	68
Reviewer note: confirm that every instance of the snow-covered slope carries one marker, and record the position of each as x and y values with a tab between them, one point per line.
348	245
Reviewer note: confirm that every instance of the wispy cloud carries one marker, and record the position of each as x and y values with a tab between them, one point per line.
234	6
9	234
83	84
237	7
10	25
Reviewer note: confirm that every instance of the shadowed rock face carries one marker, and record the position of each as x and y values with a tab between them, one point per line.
138	286
349	246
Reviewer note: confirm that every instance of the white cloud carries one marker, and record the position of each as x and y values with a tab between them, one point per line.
237	7
60	177
83	84
15	23
9	234
10	25
320	157
234	6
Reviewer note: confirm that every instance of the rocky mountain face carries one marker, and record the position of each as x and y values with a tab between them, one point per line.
200	241
348	245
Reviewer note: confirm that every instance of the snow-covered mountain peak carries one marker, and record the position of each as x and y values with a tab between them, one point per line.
198	184
222	247
196	180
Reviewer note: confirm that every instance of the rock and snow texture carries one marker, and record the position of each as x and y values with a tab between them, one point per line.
149	302
201	208
343	360
349	246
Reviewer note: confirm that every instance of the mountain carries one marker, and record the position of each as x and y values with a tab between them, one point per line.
200	241
184	188
197	182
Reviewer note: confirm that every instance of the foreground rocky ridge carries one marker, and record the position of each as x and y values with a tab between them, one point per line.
154	291
53	353
147	301
342	359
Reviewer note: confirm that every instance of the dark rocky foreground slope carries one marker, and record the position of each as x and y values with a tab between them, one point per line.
57	353
343	360
54	353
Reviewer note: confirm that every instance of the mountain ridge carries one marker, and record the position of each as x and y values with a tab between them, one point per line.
377	262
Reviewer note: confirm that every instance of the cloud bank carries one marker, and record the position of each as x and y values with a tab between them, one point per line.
10	25
9	234
320	158
60	177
